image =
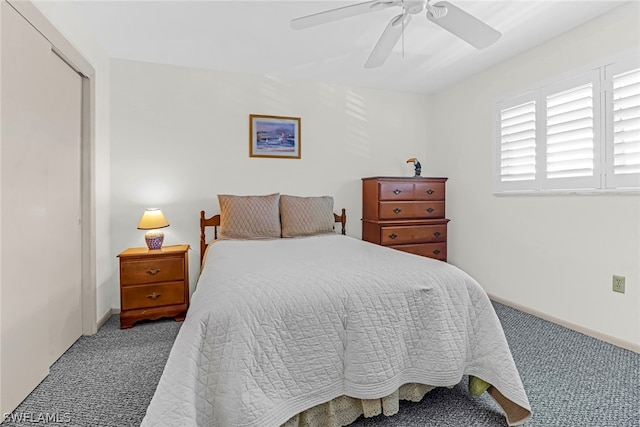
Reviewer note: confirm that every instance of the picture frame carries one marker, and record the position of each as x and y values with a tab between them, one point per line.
274	137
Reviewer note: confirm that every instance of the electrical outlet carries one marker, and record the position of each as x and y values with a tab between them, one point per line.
618	284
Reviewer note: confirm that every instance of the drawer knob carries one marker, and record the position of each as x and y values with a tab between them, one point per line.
437	234
396	191
393	236
153	271
437	251
154	296
429	210
430	191
397	210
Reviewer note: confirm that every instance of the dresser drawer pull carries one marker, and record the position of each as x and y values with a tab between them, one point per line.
437	251
393	236
430	191
430	210
437	234
396	191
154	295
396	210
153	271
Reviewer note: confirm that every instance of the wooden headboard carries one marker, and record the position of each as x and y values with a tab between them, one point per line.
214	222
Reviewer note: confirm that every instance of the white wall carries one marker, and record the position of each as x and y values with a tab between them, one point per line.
180	136
62	17
552	254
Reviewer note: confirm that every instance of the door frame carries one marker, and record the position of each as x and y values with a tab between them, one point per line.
68	53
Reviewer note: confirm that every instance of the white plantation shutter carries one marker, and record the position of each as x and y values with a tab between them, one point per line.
571	128
626	122
578	133
622	116
518	142
570	133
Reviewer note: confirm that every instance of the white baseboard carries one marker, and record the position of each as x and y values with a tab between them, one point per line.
628	345
104	318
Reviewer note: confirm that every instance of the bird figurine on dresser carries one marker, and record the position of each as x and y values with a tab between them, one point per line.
417	165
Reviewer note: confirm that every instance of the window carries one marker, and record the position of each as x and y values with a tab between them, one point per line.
581	133
518	142
623	150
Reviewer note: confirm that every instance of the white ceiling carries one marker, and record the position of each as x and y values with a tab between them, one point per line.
255	37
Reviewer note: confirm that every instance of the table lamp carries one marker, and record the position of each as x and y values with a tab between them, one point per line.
152	220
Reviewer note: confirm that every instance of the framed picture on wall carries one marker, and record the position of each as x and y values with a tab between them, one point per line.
274	136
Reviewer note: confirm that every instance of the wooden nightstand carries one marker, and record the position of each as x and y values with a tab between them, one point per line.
153	284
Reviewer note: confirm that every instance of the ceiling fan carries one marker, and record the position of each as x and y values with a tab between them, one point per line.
450	17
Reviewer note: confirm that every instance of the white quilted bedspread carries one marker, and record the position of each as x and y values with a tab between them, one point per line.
278	326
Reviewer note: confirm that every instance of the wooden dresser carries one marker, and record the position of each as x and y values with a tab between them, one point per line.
153	284
406	214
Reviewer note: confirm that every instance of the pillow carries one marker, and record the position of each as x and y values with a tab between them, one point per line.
306	216
249	217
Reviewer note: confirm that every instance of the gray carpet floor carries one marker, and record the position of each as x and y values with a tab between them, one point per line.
572	381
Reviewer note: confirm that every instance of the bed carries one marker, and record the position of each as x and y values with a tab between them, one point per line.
301	324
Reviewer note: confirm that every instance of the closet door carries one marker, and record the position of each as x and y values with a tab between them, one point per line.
40	247
64	239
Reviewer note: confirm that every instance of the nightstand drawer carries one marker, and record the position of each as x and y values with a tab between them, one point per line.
167	269
413	234
144	296
430	250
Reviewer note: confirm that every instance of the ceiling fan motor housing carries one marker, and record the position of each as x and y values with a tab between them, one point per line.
414	7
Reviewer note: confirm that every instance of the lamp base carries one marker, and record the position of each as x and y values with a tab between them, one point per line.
154	239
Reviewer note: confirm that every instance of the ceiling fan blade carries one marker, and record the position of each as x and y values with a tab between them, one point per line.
461	24
341	13
387	40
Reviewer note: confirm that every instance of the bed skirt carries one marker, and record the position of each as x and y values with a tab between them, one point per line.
344	410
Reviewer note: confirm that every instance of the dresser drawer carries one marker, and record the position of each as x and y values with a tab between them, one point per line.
410	210
429	191
396	191
413	234
393	210
428	210
431	250
145	296
137	271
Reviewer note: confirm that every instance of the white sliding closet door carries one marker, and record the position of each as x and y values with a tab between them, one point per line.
64	238
41	231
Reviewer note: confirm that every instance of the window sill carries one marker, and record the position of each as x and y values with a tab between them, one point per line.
585	192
